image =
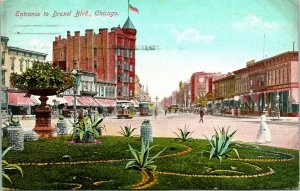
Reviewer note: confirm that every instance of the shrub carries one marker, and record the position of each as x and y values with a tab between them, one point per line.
127	131
87	132
141	158
184	135
7	166
220	144
61	117
13	122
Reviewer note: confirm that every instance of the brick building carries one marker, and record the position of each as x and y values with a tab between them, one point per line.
108	54
15	59
260	83
201	83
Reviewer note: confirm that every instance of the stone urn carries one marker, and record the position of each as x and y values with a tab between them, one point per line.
43	80
15	137
146	131
61	126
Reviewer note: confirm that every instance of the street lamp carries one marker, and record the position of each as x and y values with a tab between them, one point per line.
250	95
75	88
156	99
277	105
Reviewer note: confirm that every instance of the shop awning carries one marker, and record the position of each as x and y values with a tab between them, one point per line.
112	103
69	101
135	103
52	100
92	102
102	102
18	99
87	101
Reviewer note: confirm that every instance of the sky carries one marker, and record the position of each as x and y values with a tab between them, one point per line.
191	35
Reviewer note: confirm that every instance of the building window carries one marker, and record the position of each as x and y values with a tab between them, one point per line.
131	68
3	58
61	53
12	66
21	65
130	79
119	77
3	77
288	74
131	53
130	92
119	64
119	90
27	63
95	63
118	51
95	51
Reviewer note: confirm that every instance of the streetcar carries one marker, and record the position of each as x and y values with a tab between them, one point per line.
125	109
144	108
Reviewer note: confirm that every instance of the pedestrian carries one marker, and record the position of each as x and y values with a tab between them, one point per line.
166	111
155	112
264	134
201	112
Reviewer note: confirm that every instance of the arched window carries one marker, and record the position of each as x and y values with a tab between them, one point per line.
21	65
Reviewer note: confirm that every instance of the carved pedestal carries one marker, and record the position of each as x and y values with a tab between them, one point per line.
43	119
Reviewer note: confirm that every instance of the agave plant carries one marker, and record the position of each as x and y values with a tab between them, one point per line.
7	166
127	131
184	135
96	123
141	158
83	131
220	144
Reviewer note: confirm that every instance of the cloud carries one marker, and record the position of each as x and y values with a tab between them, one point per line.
254	22
39	44
192	35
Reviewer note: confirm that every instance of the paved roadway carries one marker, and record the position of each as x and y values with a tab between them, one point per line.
285	132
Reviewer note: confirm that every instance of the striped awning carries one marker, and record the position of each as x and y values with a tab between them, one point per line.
111	102
70	102
102	102
19	99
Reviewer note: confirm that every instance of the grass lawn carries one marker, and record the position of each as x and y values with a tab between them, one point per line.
180	166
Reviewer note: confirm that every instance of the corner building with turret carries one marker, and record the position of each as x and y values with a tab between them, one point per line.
107	56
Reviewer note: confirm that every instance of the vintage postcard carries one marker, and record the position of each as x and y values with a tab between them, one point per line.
149	95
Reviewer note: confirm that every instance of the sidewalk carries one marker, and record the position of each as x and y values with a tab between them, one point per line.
285	132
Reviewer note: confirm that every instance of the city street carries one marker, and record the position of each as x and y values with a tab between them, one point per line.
285	132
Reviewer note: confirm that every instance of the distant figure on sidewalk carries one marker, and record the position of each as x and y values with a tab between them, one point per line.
201	115
155	112
264	134
166	111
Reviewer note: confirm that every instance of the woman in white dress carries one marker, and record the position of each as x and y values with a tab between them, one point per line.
264	134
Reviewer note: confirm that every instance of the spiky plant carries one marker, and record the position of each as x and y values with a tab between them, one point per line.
184	134
7	166
141	158
220	144
127	131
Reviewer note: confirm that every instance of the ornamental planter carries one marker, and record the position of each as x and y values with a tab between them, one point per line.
15	138
88	137
61	127
146	131
44	80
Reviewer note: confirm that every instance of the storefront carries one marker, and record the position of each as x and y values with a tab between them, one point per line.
19	103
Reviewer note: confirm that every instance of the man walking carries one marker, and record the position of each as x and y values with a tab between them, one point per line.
201	115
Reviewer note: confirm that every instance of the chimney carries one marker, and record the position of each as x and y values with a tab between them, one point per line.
59	37
68	33
77	33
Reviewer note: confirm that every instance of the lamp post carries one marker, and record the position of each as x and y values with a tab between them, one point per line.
156	99
75	87
250	95
277	105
